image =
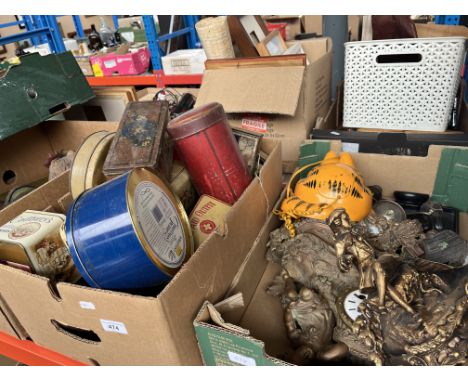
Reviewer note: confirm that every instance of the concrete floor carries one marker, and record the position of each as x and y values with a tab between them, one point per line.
4	361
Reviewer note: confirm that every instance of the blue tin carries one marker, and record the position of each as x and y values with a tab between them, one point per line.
130	232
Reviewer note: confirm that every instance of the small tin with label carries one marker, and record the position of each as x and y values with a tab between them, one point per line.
207	216
130	232
33	240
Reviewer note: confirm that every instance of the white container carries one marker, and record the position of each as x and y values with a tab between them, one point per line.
414	91
42	49
184	61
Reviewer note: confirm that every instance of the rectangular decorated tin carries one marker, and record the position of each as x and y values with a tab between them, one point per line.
33	240
141	140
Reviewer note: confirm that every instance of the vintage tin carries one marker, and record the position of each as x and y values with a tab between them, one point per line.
33	240
141	140
130	232
87	165
207	217
182	185
207	146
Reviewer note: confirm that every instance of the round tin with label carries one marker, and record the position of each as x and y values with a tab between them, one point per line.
130	232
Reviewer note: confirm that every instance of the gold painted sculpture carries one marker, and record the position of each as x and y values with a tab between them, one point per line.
352	246
413	311
309	322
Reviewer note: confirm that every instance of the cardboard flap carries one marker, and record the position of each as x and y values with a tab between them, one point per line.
273	90
218	320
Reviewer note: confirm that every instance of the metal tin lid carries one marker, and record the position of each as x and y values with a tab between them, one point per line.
159	220
88	161
196	120
94	173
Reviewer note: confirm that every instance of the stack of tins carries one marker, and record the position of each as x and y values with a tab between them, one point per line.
132	231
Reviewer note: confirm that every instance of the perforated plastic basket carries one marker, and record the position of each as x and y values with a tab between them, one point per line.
407	84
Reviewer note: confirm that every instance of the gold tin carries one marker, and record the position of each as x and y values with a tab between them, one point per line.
87	166
33	239
182	186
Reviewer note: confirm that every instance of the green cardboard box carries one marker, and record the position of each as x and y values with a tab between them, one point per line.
38	88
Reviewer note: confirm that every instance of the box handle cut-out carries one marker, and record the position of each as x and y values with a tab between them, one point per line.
85	335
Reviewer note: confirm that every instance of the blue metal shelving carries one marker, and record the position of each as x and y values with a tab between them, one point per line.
45	29
40	29
448	20
154	40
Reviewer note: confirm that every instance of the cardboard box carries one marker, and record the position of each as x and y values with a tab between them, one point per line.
253	333
23	155
6	324
280	102
293	26
207	217
441	30
82	322
85	65
184	61
121	63
312	24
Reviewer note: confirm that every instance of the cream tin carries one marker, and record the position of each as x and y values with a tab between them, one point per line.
33	239
87	166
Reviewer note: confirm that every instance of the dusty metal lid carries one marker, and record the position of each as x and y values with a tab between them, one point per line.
196	120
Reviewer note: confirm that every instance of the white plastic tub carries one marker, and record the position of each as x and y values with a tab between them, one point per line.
407	84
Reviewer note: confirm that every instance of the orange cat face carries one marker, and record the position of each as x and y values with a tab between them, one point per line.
335	183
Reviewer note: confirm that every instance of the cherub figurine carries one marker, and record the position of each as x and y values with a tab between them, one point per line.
350	245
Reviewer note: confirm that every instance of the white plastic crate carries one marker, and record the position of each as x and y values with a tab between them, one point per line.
184	61
414	91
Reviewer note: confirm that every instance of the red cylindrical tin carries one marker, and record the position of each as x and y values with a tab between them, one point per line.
206	144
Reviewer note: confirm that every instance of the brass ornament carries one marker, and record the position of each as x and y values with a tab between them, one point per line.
414	311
